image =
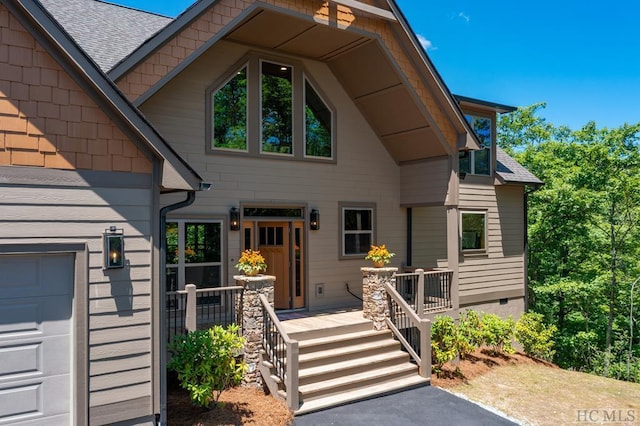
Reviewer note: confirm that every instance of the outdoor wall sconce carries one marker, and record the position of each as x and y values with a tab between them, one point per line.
234	219
314	220
113	240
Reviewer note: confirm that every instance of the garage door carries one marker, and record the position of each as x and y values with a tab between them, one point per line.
35	339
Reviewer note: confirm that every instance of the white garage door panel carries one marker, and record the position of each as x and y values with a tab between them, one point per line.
36	296
35	316
24	276
36	401
35	357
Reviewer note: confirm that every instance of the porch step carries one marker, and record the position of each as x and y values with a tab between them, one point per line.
349	351
364	377
342	359
381	388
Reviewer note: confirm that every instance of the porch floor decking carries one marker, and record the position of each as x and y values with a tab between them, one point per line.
300	322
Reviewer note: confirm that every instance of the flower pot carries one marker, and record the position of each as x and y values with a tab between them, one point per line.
253	273
378	264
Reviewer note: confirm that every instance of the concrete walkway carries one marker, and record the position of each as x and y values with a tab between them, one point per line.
422	406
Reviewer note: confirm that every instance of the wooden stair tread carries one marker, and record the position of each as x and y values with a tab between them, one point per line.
356	379
348	350
366	392
343	337
370	360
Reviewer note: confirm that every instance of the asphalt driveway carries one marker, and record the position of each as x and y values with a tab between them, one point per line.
422	406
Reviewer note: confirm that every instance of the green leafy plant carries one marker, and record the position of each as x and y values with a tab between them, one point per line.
470	330
534	336
444	341
208	362
498	333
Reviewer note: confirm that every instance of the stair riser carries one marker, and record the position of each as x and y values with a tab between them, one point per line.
303	349
326	332
347	387
356	368
345	357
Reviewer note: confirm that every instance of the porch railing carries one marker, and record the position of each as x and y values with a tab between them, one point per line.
412	331
426	291
282	353
196	309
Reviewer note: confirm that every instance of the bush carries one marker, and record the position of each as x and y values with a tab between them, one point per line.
206	362
498	333
444	341
535	336
470	330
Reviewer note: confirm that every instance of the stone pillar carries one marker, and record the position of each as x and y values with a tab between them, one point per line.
374	296
251	313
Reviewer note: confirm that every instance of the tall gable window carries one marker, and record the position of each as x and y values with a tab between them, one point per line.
277	108
478	162
318	124
230	113
270	108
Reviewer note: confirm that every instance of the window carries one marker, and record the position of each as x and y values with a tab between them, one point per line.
473	231
193	254
318	124
277	108
478	162
230	113
357	230
269	108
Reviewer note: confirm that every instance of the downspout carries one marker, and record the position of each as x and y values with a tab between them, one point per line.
191	197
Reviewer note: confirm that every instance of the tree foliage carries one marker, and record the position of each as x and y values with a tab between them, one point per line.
584	235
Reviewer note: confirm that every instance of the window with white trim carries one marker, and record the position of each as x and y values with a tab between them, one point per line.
193	254
473	231
478	162
357	230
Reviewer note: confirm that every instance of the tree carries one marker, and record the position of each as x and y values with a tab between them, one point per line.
583	231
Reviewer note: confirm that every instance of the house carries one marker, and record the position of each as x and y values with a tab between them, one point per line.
80	168
323	128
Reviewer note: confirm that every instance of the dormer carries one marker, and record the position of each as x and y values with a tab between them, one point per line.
482	117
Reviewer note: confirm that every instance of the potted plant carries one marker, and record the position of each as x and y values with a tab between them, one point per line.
251	263
379	255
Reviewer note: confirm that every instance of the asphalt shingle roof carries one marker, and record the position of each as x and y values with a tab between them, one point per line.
107	32
509	170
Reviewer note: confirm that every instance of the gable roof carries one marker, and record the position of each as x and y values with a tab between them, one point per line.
176	173
107	32
509	170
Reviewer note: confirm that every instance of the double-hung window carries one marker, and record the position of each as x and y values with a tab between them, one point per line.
478	162
193	254
270	108
473	231
357	230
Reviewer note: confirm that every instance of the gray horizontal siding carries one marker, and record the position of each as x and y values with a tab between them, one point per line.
424	183
54	206
500	271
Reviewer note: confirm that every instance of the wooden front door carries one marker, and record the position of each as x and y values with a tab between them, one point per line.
282	247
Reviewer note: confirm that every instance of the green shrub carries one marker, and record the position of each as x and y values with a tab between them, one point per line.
470	332
535	336
207	362
498	333
444	341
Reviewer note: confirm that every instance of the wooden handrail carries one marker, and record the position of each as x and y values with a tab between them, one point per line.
422	324
291	376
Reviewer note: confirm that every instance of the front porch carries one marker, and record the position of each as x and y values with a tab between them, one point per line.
315	360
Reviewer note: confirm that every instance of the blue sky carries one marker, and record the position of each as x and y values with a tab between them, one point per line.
581	58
